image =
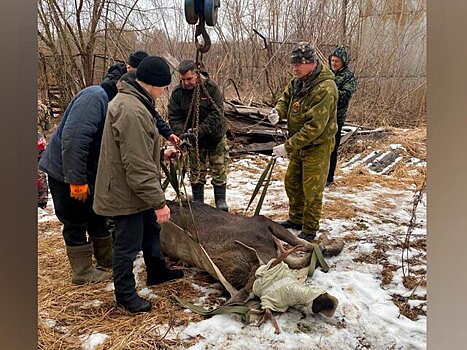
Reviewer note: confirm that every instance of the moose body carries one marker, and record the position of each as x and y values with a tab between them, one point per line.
236	244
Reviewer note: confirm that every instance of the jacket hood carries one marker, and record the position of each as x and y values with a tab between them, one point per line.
340	52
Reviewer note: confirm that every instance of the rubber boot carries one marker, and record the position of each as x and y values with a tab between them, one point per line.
289	224
80	258
307	236
198	193
219	197
103	251
158	272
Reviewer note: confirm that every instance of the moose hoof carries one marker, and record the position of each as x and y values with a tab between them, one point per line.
330	247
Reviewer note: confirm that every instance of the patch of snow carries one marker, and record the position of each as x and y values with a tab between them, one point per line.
92	341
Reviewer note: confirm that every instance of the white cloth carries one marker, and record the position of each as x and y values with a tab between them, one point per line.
273	116
279	289
279	151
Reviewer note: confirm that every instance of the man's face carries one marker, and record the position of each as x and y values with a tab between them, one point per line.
336	63
189	80
301	70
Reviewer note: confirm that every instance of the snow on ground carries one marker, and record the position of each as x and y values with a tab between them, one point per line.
366	317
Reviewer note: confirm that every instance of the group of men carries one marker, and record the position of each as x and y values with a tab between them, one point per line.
103	161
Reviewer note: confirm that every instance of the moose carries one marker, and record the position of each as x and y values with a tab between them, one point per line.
231	247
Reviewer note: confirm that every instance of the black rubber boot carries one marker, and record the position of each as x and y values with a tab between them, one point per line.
80	258
103	251
289	224
307	236
158	272
219	197
135	304
198	193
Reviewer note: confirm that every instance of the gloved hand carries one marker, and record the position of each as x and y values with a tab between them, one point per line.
273	116
279	151
79	192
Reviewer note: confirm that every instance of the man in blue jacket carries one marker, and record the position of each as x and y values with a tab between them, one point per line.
70	162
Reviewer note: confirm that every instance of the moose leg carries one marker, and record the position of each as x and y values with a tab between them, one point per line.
243	294
284	235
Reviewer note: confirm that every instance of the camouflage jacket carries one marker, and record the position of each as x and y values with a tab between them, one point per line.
43	117
310	108
212	124
346	83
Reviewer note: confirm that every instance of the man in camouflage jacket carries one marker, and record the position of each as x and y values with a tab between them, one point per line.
204	127
346	85
309	103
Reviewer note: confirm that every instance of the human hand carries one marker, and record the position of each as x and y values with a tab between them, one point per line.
273	116
79	192
162	215
174	139
171	153
279	151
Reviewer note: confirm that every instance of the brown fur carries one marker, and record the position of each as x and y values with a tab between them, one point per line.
237	244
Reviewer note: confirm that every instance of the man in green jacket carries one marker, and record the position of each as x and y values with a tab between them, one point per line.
128	184
196	112
309	103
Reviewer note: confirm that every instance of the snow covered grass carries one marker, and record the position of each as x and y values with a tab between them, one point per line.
378	308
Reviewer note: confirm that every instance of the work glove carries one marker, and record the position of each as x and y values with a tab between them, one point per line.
279	151
273	116
79	192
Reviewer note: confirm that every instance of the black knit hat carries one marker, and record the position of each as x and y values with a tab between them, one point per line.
136	57
154	70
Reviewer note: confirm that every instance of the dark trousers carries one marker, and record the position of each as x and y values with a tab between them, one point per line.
77	217
333	163
133	233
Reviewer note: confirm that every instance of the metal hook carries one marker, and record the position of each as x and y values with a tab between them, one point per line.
201	30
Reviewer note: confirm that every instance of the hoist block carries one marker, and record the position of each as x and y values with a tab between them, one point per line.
210	11
191	14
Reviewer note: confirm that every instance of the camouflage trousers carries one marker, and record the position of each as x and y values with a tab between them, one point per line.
214	161
305	180
42	189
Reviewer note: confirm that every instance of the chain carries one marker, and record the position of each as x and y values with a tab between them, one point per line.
193	114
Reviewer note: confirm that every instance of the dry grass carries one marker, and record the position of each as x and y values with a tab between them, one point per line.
338	208
82	310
